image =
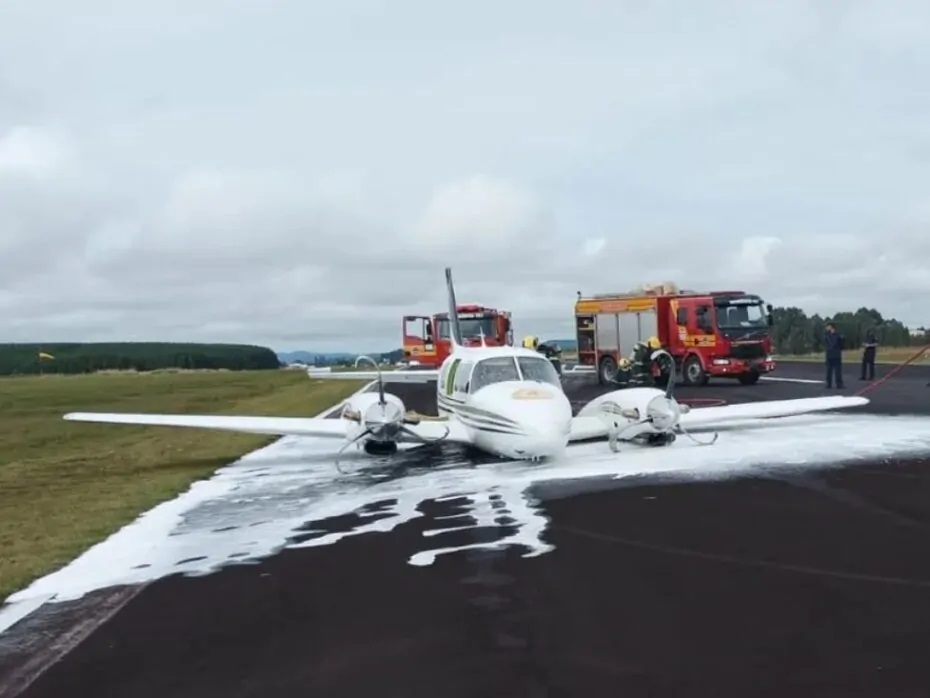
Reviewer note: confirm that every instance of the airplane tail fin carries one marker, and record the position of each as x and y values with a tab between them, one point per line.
455	333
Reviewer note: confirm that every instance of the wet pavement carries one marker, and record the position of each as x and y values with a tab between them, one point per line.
758	570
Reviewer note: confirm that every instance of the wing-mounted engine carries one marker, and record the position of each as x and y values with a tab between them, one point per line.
642	415
382	419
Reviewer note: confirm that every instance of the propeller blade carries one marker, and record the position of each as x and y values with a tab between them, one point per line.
356	439
696	440
377	368
416	437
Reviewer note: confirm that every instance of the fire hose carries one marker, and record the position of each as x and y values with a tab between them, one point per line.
871	386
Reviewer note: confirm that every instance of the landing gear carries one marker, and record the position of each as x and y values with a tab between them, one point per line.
380	448
663	439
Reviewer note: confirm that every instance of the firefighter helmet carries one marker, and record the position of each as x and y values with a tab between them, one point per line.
530	342
654	343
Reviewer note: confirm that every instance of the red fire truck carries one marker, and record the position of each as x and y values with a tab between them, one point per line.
725	334
426	337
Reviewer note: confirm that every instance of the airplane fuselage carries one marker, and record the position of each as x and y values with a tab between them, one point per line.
516	418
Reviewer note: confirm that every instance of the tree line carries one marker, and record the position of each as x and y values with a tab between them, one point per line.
69	358
795	332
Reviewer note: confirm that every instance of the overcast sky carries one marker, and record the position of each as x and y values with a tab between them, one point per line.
297	174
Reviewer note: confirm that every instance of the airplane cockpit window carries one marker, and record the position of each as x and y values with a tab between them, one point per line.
540	369
496	370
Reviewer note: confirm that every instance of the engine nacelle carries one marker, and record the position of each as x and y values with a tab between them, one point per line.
637	414
381	421
365	407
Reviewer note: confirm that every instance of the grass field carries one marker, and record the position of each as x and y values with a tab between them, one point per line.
65	486
885	355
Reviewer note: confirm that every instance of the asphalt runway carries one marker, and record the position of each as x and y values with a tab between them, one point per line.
810	584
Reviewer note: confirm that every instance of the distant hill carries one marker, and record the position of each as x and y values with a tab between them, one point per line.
77	357
323	358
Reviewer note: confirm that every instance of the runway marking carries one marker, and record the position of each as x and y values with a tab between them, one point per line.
733	560
779	379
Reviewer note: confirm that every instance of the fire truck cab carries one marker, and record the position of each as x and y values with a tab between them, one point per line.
723	334
426	337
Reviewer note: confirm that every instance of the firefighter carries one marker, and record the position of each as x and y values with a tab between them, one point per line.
553	353
624	371
641	363
869	348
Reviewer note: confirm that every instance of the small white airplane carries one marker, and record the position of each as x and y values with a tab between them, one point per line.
507	401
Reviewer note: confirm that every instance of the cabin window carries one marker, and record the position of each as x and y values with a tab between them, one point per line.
682	316
540	369
460	384
704	318
496	370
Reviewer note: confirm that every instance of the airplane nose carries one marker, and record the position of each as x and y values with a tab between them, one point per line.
540	418
546	424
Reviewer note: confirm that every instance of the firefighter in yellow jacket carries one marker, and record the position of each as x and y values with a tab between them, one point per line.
640	361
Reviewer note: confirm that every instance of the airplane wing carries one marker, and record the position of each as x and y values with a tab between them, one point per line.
272	426
702	417
424	376
591	427
595	427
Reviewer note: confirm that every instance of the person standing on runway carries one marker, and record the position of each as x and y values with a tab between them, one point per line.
869	347
833	346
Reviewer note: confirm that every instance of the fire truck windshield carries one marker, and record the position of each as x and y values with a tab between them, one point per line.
471	328
740	313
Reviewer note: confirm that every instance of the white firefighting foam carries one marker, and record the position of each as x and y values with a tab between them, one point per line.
283	496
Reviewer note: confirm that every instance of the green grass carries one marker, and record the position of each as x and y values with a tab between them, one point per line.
885	355
65	486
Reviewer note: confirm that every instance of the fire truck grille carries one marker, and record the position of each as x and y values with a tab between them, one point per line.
755	350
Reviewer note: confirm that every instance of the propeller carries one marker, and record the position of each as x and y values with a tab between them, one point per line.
663	413
385	422
676	425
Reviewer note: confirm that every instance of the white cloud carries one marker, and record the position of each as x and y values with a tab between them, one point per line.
29	151
299	175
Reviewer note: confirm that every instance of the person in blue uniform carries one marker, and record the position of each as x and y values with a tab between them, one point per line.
833	349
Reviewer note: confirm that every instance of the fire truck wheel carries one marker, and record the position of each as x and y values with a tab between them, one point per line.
607	371
750	378
693	372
